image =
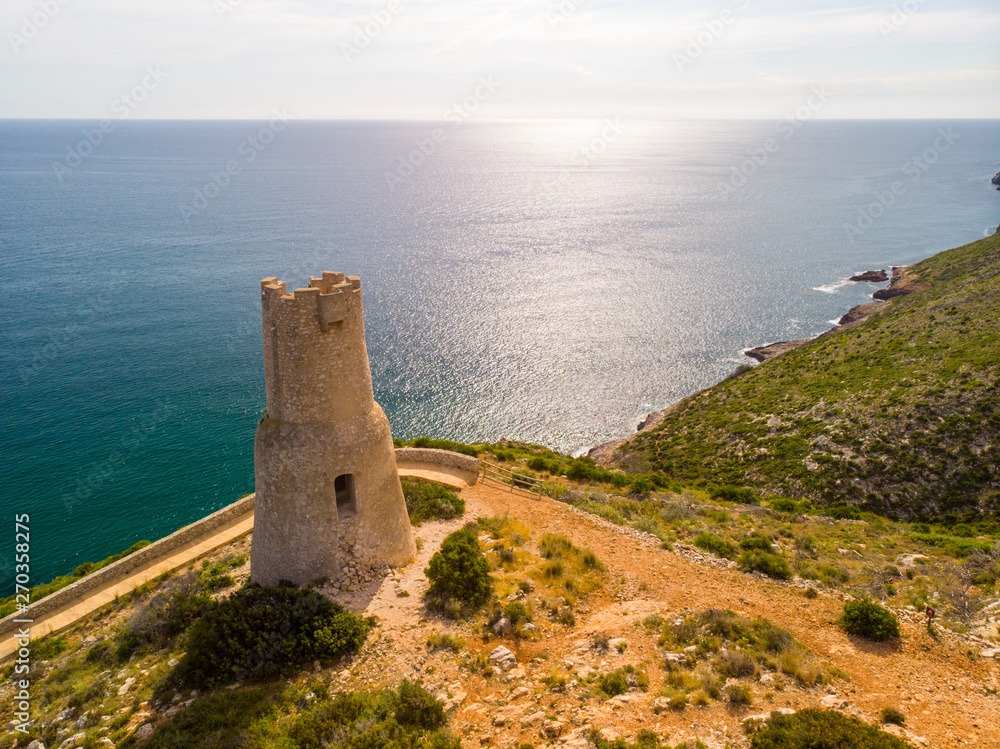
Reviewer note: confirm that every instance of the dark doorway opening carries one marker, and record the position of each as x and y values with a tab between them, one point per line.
344	487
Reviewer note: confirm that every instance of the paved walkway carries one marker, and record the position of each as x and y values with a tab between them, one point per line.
61	618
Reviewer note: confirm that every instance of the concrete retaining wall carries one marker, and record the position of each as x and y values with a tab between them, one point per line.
126	565
444	458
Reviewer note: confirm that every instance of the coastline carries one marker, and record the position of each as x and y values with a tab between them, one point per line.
902	282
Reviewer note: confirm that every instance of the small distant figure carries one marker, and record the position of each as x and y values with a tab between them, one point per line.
930	617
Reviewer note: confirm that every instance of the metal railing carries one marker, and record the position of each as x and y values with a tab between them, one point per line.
516	481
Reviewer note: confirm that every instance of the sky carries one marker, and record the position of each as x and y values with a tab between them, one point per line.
508	59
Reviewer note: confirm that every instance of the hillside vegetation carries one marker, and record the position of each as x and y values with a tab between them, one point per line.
900	415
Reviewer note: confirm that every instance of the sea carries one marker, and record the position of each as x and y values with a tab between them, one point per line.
544	281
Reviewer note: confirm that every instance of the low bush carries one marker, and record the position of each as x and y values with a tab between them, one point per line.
455	447
278	715
263	633
869	620
737	494
645	739
892	715
714	544
739	694
167	615
819	729
757	542
445	641
459	576
47	649
769	564
622	680
427	501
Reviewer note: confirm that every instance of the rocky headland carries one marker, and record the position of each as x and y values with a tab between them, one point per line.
870	276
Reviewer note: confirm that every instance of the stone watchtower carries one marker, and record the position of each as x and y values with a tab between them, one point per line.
328	491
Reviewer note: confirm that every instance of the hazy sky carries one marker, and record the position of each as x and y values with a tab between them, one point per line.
522	58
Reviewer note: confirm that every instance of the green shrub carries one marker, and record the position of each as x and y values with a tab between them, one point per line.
215	576
770	564
645	739
263	633
516	612
757	542
892	715
417	707
459	574
47	649
869	620
719	547
455	447
820	729
428	501
621	680
737	494
641	485
739	694
166	616
276	715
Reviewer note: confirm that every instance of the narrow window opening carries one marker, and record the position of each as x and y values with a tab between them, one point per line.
344	487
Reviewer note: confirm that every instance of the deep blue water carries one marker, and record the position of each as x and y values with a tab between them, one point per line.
512	287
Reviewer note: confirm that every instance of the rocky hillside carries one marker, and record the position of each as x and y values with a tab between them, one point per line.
629	645
899	414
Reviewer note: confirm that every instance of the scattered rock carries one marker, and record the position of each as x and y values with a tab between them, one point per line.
144	731
503	658
833	702
553	729
73	741
127	685
766	716
533	720
519	692
36	745
502	626
859	314
771	350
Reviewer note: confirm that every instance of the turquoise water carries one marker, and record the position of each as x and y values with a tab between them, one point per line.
514	286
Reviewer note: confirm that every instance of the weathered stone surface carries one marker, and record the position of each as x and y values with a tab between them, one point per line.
833	702
328	492
503	657
552	729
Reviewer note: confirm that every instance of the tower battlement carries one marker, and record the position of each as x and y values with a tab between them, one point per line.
333	295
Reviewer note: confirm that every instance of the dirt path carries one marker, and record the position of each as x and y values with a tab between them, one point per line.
942	689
